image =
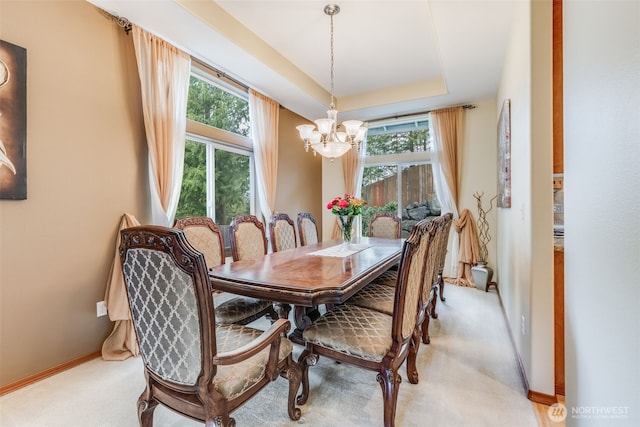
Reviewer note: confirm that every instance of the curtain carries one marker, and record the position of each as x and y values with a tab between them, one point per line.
121	344
164	79
468	255
446	130
264	114
352	163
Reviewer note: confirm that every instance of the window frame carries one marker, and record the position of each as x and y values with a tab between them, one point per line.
219	139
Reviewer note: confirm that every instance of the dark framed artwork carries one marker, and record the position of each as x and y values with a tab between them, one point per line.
504	156
13	121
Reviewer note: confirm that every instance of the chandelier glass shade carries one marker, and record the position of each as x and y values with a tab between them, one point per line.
326	137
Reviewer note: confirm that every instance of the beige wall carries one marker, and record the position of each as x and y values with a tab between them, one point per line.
299	172
86	160
525	231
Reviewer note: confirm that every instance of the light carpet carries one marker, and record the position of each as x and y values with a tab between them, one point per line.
468	377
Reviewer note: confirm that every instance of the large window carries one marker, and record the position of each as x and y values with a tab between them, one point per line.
218	177
397	175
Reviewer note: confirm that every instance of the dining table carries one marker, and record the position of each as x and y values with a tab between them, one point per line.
307	277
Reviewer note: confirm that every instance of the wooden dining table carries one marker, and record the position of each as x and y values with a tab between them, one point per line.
325	273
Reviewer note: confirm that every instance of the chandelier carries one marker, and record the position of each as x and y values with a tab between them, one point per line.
330	140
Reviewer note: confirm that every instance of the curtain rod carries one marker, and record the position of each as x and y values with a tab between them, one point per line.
401	116
220	74
125	24
122	22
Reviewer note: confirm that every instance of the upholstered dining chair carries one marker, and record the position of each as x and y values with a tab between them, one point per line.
307	229
385	225
379	294
248	238
373	340
205	236
282	232
192	365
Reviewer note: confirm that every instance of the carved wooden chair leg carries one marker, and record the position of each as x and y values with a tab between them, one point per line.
412	369
306	359
433	300
425	328
294	375
145	410
441	286
389	380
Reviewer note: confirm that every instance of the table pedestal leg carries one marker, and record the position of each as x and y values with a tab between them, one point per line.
303	318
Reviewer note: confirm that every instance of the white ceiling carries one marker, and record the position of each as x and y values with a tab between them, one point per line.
392	57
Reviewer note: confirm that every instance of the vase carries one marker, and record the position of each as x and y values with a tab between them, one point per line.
346	225
482	275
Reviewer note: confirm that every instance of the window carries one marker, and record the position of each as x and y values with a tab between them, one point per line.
218	177
397	175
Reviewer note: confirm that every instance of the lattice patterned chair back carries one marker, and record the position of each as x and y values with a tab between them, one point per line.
192	365
373	340
248	239
411	275
205	236
307	229
385	225
283	232
164	279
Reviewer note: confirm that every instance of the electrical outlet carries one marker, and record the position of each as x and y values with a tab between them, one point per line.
101	309
522	325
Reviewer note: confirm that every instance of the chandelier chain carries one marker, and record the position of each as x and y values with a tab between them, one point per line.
332	62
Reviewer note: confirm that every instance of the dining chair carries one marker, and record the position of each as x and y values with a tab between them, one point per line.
373	340
205	236
248	238
192	365
307	229
385	225
379	294
282	232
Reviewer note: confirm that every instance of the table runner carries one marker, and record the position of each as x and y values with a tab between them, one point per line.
341	251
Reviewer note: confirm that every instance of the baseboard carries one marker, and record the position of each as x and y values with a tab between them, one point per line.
523	375
8	388
543	399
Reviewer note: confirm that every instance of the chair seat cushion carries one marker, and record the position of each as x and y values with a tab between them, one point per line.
376	297
352	330
233	380
239	309
389	278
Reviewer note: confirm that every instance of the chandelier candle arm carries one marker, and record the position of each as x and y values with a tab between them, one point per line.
327	140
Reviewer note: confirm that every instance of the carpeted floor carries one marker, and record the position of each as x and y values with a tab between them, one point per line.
468	377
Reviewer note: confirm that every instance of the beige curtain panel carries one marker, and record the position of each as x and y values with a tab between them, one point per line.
164	82
265	115
351	167
468	254
121	344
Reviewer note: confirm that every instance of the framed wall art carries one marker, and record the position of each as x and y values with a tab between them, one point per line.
504	156
13	121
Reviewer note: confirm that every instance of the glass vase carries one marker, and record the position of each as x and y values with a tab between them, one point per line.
346	224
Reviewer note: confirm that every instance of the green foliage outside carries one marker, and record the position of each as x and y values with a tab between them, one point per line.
215	107
193	196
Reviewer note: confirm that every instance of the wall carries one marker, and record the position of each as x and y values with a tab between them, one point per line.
602	208
86	162
479	171
299	186
525	231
